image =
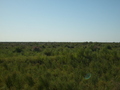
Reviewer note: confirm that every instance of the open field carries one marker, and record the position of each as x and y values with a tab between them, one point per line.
59	66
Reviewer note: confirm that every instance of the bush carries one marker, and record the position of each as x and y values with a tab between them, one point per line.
18	50
37	49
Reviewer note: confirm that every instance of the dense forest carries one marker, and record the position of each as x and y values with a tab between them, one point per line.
59	66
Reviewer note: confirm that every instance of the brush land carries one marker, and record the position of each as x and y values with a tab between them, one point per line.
59	66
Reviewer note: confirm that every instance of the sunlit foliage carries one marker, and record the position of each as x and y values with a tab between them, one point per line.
60	66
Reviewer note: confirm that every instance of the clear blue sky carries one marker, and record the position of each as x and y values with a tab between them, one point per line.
60	20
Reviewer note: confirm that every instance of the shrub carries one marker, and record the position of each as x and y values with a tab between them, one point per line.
18	50
37	49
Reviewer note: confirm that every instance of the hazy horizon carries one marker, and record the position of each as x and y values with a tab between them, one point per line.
60	21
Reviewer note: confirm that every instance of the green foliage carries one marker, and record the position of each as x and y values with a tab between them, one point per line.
59	66
18	50
30	80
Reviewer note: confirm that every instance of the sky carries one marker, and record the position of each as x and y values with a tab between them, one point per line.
59	20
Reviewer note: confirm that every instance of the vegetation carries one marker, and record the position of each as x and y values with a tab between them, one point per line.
59	66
